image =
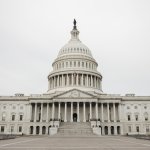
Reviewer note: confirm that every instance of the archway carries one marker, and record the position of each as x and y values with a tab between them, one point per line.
75	117
31	129
118	129
112	129
43	130
37	130
106	130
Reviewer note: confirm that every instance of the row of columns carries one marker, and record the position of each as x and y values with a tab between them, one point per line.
75	79
78	111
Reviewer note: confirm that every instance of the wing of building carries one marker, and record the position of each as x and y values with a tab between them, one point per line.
75	100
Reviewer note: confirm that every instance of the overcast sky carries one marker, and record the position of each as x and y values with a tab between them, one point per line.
33	31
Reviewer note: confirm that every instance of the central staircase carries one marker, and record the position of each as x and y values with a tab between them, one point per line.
75	129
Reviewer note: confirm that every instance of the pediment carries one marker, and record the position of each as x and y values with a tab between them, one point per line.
75	93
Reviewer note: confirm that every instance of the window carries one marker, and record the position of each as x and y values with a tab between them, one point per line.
128	107
129	128
62	64
145	107
21	107
146	116
2	129
82	64
74	64
136	117
147	128
20	128
14	107
12	129
13	117
3	117
137	129
21	117
135	107
4	107
66	64
70	64
129	117
78	64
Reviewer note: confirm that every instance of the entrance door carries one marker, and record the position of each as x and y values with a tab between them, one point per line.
75	117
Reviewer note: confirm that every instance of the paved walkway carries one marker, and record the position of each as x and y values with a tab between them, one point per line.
75	143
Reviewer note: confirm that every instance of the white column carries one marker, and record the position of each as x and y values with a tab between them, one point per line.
119	111
114	110
47	116
95	81
62	80
35	112
53	110
41	112
58	81
78	112
59	110
102	112
84	118
72	79
87	80
71	118
31	111
77	79
81	79
91	81
96	110
90	110
67	79
108	113
65	118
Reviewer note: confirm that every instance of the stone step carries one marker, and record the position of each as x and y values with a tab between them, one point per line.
75	129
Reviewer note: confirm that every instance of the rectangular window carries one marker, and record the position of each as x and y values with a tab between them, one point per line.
137	128
21	117
129	117
147	128
70	64
12	129
2	129
146	118
20	128
129	128
82	64
13	117
136	117
66	64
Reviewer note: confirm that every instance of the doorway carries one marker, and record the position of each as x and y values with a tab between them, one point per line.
75	117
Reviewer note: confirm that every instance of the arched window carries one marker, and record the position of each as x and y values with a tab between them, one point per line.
3	116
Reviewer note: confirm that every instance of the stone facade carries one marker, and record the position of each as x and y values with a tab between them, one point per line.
75	95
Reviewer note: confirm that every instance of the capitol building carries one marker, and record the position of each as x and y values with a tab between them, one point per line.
75	102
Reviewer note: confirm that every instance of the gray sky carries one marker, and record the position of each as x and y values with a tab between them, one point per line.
33	31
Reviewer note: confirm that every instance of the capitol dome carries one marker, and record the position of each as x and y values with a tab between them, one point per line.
74	67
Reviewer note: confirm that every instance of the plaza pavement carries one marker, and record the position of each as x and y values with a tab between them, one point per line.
75	143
